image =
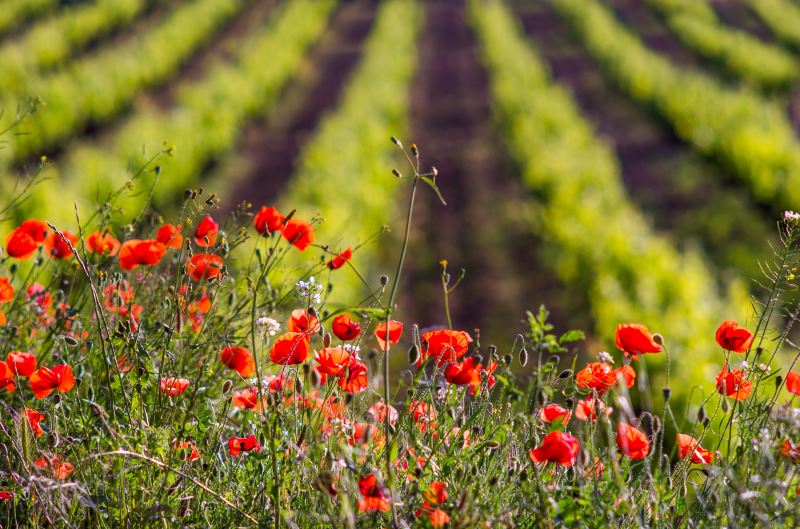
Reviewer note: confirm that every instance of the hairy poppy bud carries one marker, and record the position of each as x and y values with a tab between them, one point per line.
307	369
523	357
372	354
226	387
410	392
570	402
326	340
701	414
667	392
413	355
298	385
508	359
89	345
492	351
658	338
478	358
553	359
565	374
725	406
69	340
778	381
706	422
316	380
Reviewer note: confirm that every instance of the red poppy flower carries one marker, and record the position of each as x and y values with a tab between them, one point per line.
463	373
373	495
557	447
634	339
102	243
436	493
354	377
793	382
22	364
291	348
299	233
554	412
44	380
379	410
6	290
599	376
733	337
626	374
57	247
34	417
173	386
246	398
363	433
189	448
59	468
435	496
6	495
344	328
489	373
689	446
206	233
24	240
733	384
632	442
388	334
170	235
339	260
332	360
277	383
39	295
444	345
268	220
586	410
791	451
237	445
422	414
302	321
205	266
135	253
2	318
7	377
238	359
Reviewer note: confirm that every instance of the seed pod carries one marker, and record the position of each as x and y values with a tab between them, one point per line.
413	354
523	357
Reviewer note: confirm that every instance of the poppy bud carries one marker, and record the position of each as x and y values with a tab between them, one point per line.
413	355
226	387
315	378
725	406
658	338
523	476
492	351
298	385
89	345
565	374
667	392
508	359
478	358
523	357
701	414
306	369
69	340
410	392
778	381
553	359
759	350
372	354
384	280
706	422
570	402
326	339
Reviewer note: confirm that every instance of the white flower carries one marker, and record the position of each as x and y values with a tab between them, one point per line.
271	326
309	289
604	357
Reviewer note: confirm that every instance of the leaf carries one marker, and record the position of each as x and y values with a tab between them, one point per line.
571	336
434	187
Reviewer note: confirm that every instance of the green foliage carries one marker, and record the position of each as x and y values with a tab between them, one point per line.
16	12
782	17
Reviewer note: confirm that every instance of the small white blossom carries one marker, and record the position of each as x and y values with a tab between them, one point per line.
604	357
351	348
309	289
745	364
791	216
271	326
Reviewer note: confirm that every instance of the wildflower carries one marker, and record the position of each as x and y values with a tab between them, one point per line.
733	384
102	243
237	445
26	239
601	377
275	384
7	377
188	448
634	339
268	220
332	360
170	236
379	410
554	412
354	378
134	253
388	333
689	446
422	414
173	386
205	266
604	356
302	321
733	337
205	234
344	328
557	447
56	466
373	495
57	247
363	433
22	364
632	442
790	450
6	495
272	326
238	359
6	290
340	259
445	345
488	372
45	380
246	398
290	348
435	497
466	373
586	410
299	233
39	295
309	289
793	382
34	417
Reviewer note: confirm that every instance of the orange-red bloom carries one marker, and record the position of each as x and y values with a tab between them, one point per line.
7	377
554	412
246	398
6	290
379	410
601	377
790	450
238	359
59	468
206	233
170	236
689	446
173	386
733	384
388	334
102	243
793	382
373	495
291	348
733	337
299	233
464	373
6	495
34	417
354	377
188	448
344	328
45	380
302	321
557	447
57	247
634	339
237	445
632	442
586	410
444	345
435	497
339	260
268	220
22	364
205	266
135	253
422	414
332	360
24	240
